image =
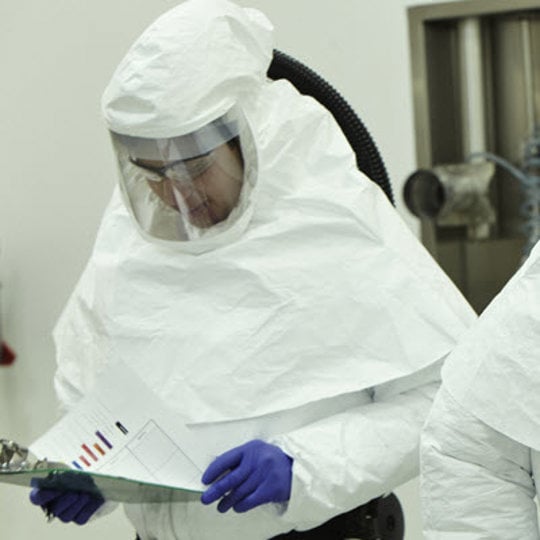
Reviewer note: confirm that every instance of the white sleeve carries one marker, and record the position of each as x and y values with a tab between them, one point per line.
107	508
348	459
476	483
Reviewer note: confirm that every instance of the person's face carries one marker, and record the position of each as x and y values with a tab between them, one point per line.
209	195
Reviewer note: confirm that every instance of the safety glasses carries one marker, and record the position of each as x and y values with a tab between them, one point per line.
181	169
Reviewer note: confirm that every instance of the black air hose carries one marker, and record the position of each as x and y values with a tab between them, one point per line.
307	82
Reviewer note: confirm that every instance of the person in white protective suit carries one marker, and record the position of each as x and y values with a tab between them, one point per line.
481	444
262	286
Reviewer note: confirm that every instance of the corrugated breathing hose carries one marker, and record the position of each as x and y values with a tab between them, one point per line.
308	82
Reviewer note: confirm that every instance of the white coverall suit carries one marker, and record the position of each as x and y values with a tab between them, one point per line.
316	321
481	444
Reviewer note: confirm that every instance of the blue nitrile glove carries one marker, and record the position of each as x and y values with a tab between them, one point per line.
67	505
247	476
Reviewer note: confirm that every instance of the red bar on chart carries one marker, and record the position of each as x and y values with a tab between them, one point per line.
89	452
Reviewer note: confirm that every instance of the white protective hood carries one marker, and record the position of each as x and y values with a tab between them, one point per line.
494	372
323	292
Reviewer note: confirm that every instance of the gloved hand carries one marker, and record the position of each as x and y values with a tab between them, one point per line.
247	476
66	505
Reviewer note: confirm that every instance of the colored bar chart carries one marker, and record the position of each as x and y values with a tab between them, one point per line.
110	433
95	450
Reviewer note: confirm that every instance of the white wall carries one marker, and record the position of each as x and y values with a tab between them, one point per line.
57	170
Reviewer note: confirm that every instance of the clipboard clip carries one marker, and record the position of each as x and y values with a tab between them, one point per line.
15	458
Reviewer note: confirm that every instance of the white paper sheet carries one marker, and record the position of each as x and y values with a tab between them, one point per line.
123	429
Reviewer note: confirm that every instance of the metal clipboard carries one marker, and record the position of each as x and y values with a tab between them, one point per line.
17	468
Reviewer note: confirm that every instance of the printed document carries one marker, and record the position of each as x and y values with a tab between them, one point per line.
123	429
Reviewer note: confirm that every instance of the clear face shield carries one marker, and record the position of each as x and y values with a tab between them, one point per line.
188	187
